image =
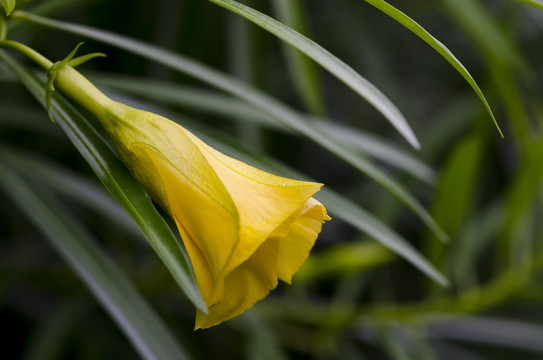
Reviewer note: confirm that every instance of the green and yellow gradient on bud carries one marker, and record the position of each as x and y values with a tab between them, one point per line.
243	228
8	5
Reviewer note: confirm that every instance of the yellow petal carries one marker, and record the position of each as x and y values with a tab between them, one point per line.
245	285
295	246
264	201
209	230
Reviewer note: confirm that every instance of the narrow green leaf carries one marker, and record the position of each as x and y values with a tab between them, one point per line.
28	118
455	193
76	187
359	218
331	63
258	99
455	190
47	340
437	45
106	281
8	5
122	186
302	70
493	331
344	259
474	242
339	206
261	344
220	105
486	31
536	3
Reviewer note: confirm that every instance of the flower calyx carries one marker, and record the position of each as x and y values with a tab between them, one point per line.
59	65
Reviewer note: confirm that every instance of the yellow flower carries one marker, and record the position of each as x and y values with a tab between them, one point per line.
243	228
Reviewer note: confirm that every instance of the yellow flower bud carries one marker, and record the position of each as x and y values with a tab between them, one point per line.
243	228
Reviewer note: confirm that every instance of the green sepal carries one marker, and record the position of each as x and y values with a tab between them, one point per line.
8	5
83	59
52	74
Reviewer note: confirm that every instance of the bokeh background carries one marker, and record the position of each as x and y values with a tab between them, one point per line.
355	298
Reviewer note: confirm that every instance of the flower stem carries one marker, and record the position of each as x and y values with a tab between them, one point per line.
68	80
31	53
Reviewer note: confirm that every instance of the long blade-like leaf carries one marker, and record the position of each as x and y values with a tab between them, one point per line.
218	104
437	45
331	63
122	186
536	3
339	206
62	181
302	70
272	107
102	276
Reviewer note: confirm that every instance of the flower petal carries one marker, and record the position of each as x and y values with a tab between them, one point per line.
245	285
263	200
209	230
295	246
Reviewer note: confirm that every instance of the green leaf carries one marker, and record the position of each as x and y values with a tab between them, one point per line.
331	63
8	5
302	70
485	31
455	193
262	101
220	105
339	206
437	45
75	187
122	186
344	259
455	190
536	3
102	276
492	331
47	340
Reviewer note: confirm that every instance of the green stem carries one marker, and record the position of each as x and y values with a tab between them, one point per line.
68	80
31	53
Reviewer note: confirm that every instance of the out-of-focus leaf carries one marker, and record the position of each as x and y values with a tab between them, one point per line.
487	330
45	343
484	30
343	259
106	281
394	343
211	102
122	186
455	193
75	187
472	242
436	45
522	201
339	206
27	118
536	3
456	184
302	70
8	5
260	100
261	345
48	8
331	63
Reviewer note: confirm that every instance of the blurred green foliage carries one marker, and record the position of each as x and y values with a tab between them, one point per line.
358	296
